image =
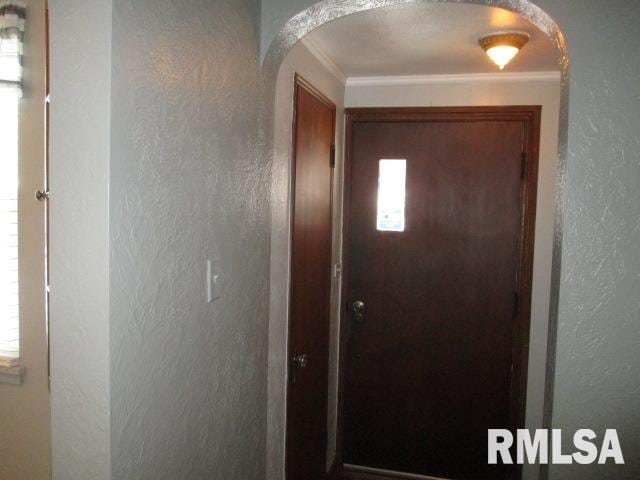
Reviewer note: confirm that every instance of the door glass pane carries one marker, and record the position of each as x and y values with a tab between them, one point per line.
391	194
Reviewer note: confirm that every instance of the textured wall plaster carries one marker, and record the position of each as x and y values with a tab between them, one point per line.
302	62
596	371
188	378
80	33
597	381
502	92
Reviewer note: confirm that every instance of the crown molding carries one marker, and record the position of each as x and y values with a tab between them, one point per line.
458	78
324	59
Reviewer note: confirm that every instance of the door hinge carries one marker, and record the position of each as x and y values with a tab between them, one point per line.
523	164
337	269
332	159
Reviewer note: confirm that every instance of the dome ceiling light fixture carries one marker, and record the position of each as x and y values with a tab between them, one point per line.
503	46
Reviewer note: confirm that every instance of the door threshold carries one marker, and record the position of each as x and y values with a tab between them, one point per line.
358	472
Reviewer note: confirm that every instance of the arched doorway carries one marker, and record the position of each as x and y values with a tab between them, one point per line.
325	12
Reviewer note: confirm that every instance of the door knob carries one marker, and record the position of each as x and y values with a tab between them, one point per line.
357	309
357	306
300	360
42	195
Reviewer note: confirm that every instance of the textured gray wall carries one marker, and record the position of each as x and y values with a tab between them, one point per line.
79	238
597	382
597	368
188	378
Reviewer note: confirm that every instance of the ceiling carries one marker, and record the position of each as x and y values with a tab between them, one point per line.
427	39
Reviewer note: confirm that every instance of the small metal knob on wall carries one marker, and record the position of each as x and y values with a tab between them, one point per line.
42	196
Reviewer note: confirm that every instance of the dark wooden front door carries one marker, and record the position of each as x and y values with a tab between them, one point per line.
310	284
437	353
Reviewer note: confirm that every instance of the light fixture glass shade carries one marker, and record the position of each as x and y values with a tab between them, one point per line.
502	47
502	54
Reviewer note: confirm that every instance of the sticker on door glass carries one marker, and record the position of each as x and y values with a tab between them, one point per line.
391	194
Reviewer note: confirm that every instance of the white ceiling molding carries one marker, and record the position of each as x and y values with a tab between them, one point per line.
323	58
458	78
